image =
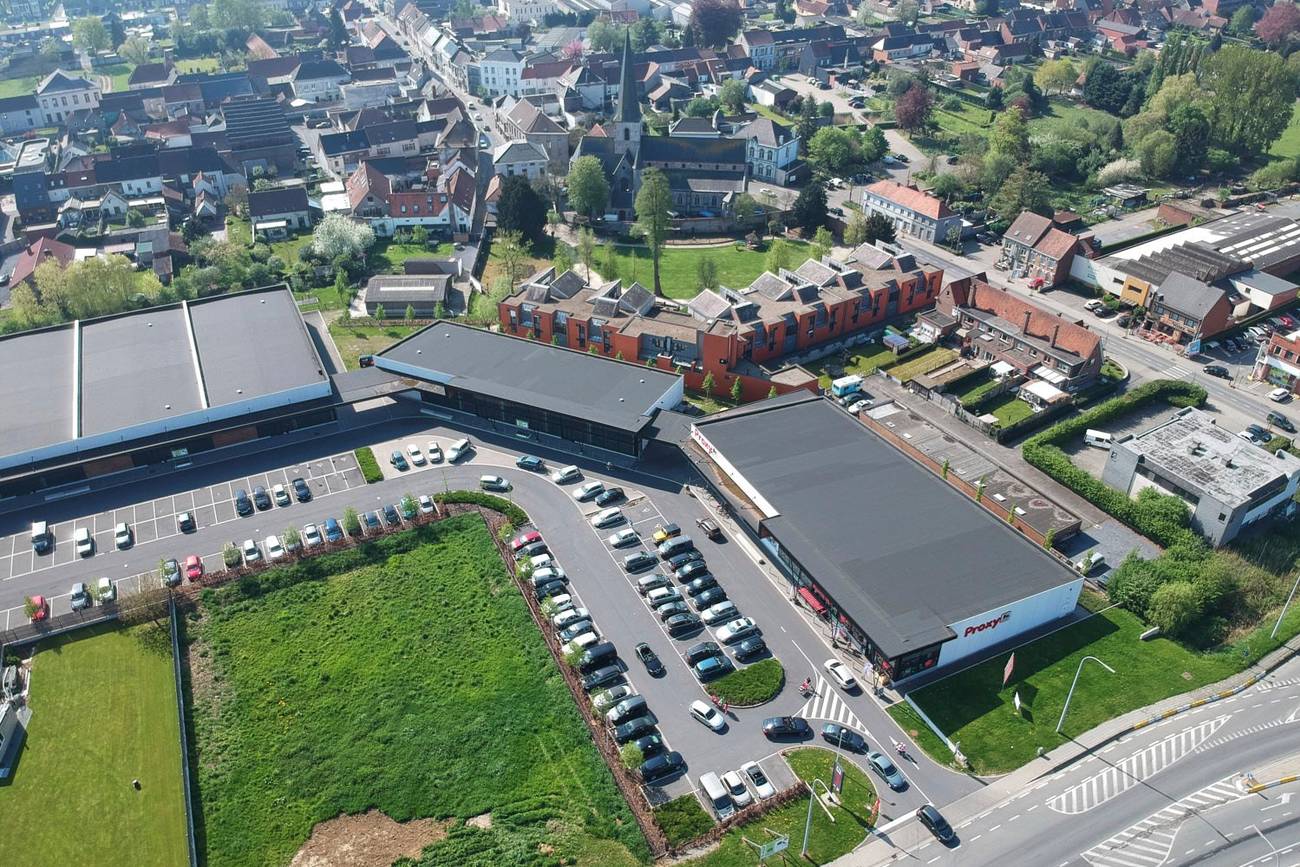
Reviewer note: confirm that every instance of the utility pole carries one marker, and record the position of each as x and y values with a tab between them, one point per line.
1073	683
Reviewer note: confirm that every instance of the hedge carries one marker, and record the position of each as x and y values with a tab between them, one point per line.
368	465
1044	452
751	685
682	820
513	513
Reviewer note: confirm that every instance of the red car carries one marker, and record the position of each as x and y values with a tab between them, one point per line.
42	609
193	567
525	539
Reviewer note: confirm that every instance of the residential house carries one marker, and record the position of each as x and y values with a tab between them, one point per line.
319	80
61	94
1278	362
772	149
1187	309
781	49
150	75
912	211
522	158
280	212
43	250
445	207
1036	248
520	11
424	293
521	119
500	72
20	114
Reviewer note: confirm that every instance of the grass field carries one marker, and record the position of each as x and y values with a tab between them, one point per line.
120	73
1288	146
17	86
678	277
1008	408
356	342
972	706
387	257
199	64
405	676
968	118
923	363
828	840
865	360
103	714
1062	113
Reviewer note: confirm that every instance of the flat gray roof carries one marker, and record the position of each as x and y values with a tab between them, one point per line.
614	393
902	553
252	344
136	367
37	388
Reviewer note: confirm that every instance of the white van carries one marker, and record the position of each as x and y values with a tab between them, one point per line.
458	450
717	794
655	598
1098	438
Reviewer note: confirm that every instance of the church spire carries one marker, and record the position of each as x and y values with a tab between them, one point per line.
629	99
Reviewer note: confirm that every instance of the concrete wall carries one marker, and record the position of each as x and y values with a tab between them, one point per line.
987	628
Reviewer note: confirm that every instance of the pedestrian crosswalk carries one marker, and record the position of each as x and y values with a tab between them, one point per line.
827	704
1176	372
1148	843
1124	775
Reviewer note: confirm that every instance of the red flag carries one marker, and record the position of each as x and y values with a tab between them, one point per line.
1011	666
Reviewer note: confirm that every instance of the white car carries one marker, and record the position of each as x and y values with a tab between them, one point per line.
493	483
311	535
84	541
625	536
569	615
754	774
566	474
1093	304
435	453
607	518
612	696
589	491
251	552
414	455
709	715
737	789
274	550
859	406
840	673
122	535
562	602
737	629
280	495
582	642
106	590
1279	395
426	505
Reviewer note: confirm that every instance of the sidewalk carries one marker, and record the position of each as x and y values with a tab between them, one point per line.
1017	782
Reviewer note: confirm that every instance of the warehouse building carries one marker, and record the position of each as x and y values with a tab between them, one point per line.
914	574
533	391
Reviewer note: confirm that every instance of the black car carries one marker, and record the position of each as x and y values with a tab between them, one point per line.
703	650
639	561
1217	370
677	561
750	647
842	736
301	490
549	589
650	660
680	625
372	522
1278	420
694	569
528	462
185	522
635	728
709	597
602	677
672	609
391	517
243	505
936	824
701	584
786	727
662	766
261	498
609	497
649	745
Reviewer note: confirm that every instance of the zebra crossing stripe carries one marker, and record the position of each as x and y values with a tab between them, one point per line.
827	704
1148	843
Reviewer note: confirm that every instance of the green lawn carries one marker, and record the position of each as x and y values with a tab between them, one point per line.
678	277
1008	408
288	249
239	231
865	360
709	403
973	389
17	86
923	363
828	840
1288	146
103	714
405	676
973	708
199	64
353	343
968	118
387	257
119	72
1063	114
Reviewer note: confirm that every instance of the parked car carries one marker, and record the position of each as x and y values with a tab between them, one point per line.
528	462
633	705
398	462
106	590
842	736
720	612
635	728
563	618
261	499
243	505
301	490
333	532
408	509
840	673
372	522
84	541
194	567
693	569
888	772
602	677
414	455
250	550
712	668
610	697
736	788
425	504
391	518
650	660
550	589
665	532
1278	420
566	474
493	483
703	650
122	536
677	561
589	491
170	571
1279	395
40	608
1217	370
607	518
434	451
639	561
661	767
280	494
701	584
735	630
274	550
652	582
762	786
609	496
709	528
623	538
936	824
80	597
708	715
749	648
185	522
649	745
527	537
671	609
680	625
709	598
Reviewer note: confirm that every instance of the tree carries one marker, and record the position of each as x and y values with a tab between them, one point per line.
27	310
239	15
603	36
873	145
337	236
908	12
834	149
1279	24
587	185
149	604
1010	136
702	106
953	238
993	99
744	209
90	35
380	313
856	231
732	95
946	186
511	249
135	50
706	272
586	248
880	228
134	218
714	22
1191	134
808	125
1056	75
291	538
1253	98
521	209
823	241
1173	607
826	110
562	260
338	29
654	202
735	390
707	384
645	32
409	314
912	110
1157	154
630	756
1023	190
1242	21
351	522
778	256
1107	88
809	211
419	235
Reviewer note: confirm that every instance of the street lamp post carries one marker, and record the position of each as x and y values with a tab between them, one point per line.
1073	683
1278	625
807	825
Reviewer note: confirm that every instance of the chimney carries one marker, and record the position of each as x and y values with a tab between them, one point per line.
1055	331
1025	328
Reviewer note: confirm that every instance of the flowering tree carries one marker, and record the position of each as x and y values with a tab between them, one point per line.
339	236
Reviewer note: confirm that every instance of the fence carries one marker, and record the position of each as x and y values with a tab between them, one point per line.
184	732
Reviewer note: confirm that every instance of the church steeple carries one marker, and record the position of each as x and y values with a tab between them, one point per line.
627	135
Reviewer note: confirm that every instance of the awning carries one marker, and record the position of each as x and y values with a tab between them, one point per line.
1001	368
813	602
1055	377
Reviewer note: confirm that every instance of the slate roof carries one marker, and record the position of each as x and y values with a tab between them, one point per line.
285	200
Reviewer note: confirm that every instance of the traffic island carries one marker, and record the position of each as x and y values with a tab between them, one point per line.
750	686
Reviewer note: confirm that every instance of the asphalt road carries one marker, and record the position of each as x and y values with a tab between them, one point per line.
1168	794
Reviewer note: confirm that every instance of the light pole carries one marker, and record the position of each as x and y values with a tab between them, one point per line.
807	825
1070	694
1278	625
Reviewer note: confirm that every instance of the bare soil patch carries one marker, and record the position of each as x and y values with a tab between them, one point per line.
367	840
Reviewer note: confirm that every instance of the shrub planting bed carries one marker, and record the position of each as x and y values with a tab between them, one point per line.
751	685
368	465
